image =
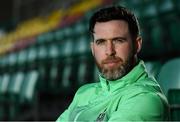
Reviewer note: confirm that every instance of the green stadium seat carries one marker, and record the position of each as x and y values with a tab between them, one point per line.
66	73
153	68
1	60
53	76
15	83
4	61
80	28
22	57
177	5
53	51
153	39
174	101
28	88
1	105
14	88
173	96
169	75
42	52
29	94
16	91
85	72
87	15
49	37
4	82
60	46
40	39
32	55
149	9
169	79
82	69
67	49
136	6
68	31
156	37
13	59
1	64
122	3
58	35
174	34
82	45
45	38
165	6
42	76
96	74
130	4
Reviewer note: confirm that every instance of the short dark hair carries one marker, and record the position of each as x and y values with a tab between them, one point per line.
115	13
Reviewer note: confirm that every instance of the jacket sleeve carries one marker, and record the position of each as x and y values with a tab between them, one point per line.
64	117
141	107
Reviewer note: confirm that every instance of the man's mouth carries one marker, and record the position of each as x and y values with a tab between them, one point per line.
111	63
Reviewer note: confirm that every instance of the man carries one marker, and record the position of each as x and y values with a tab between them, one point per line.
125	91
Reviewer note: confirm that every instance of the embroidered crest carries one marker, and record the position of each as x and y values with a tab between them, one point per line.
101	116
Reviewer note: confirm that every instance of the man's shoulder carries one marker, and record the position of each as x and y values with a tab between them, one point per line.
88	88
149	90
87	92
140	88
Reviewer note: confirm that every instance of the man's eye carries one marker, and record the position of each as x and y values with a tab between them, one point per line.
118	40
101	41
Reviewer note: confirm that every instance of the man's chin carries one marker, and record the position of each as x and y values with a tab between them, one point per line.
112	74
111	66
112	78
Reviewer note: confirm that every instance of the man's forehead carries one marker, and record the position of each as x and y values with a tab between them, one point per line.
111	27
111	22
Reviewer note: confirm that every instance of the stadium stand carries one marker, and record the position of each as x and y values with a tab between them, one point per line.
169	79
42	69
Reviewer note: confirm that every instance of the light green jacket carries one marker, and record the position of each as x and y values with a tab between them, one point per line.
134	97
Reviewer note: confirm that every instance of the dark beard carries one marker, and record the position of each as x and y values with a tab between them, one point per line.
117	72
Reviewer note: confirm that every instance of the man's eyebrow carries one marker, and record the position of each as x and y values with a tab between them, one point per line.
114	38
122	38
101	39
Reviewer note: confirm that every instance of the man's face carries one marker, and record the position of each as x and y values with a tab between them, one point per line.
113	48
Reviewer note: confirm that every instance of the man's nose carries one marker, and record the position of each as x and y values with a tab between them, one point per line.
110	49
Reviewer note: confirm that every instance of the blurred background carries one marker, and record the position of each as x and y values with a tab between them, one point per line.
45	55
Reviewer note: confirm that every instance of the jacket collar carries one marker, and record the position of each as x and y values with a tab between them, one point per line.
128	79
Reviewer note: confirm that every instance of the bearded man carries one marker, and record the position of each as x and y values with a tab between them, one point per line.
125	91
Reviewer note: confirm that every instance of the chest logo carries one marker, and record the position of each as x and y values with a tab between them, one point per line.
101	116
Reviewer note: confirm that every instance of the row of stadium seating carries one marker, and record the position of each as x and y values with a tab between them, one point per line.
58	50
79	28
16	89
68	75
160	24
64	43
151	8
168	75
60	61
21	88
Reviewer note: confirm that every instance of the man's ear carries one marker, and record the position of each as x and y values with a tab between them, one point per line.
138	44
92	47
